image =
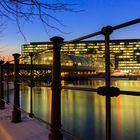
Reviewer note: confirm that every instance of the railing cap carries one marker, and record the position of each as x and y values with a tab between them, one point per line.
56	40
1	62
107	30
16	55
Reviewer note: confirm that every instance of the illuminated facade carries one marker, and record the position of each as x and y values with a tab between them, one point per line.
124	54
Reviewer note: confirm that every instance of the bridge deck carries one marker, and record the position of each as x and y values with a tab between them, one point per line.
25	130
49	67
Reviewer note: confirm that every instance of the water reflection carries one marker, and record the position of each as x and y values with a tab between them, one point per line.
125	115
83	113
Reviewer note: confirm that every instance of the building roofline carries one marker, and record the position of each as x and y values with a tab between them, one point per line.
86	41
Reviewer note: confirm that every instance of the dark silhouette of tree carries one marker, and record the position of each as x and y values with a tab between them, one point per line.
27	10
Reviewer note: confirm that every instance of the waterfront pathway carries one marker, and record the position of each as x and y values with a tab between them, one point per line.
25	130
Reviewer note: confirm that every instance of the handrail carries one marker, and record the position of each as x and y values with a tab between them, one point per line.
121	92
69	134
83	37
79	88
129	23
125	24
132	93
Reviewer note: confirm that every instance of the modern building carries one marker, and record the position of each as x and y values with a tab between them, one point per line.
124	54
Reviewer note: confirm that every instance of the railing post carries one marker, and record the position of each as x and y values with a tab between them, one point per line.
2	104
55	133
31	84
106	31
7	65
16	114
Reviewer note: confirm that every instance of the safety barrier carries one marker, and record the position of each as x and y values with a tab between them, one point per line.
56	87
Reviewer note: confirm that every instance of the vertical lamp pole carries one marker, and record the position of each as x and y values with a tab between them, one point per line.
2	105
7	64
106	31
31	85
16	114
55	133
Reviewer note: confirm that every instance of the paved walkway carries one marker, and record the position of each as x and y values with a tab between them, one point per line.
25	130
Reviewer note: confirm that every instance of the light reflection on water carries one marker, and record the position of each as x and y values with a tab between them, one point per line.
83	113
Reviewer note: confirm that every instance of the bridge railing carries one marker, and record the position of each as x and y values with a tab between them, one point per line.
107	90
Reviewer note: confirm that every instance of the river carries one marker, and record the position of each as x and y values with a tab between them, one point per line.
83	113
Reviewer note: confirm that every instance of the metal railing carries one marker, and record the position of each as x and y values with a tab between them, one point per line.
107	91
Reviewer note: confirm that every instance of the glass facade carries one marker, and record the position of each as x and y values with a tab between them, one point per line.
124	54
43	55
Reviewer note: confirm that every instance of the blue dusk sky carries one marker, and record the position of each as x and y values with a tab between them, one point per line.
94	15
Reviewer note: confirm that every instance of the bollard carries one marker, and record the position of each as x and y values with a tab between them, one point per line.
55	133
16	114
2	104
31	84
7	65
106	31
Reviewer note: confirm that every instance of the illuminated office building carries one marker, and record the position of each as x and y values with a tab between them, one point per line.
124	53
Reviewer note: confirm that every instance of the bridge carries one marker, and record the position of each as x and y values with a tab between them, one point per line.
45	70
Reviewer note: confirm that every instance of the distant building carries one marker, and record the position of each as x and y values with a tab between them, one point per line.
124	53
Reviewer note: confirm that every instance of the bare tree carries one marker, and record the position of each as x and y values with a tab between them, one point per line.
27	10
